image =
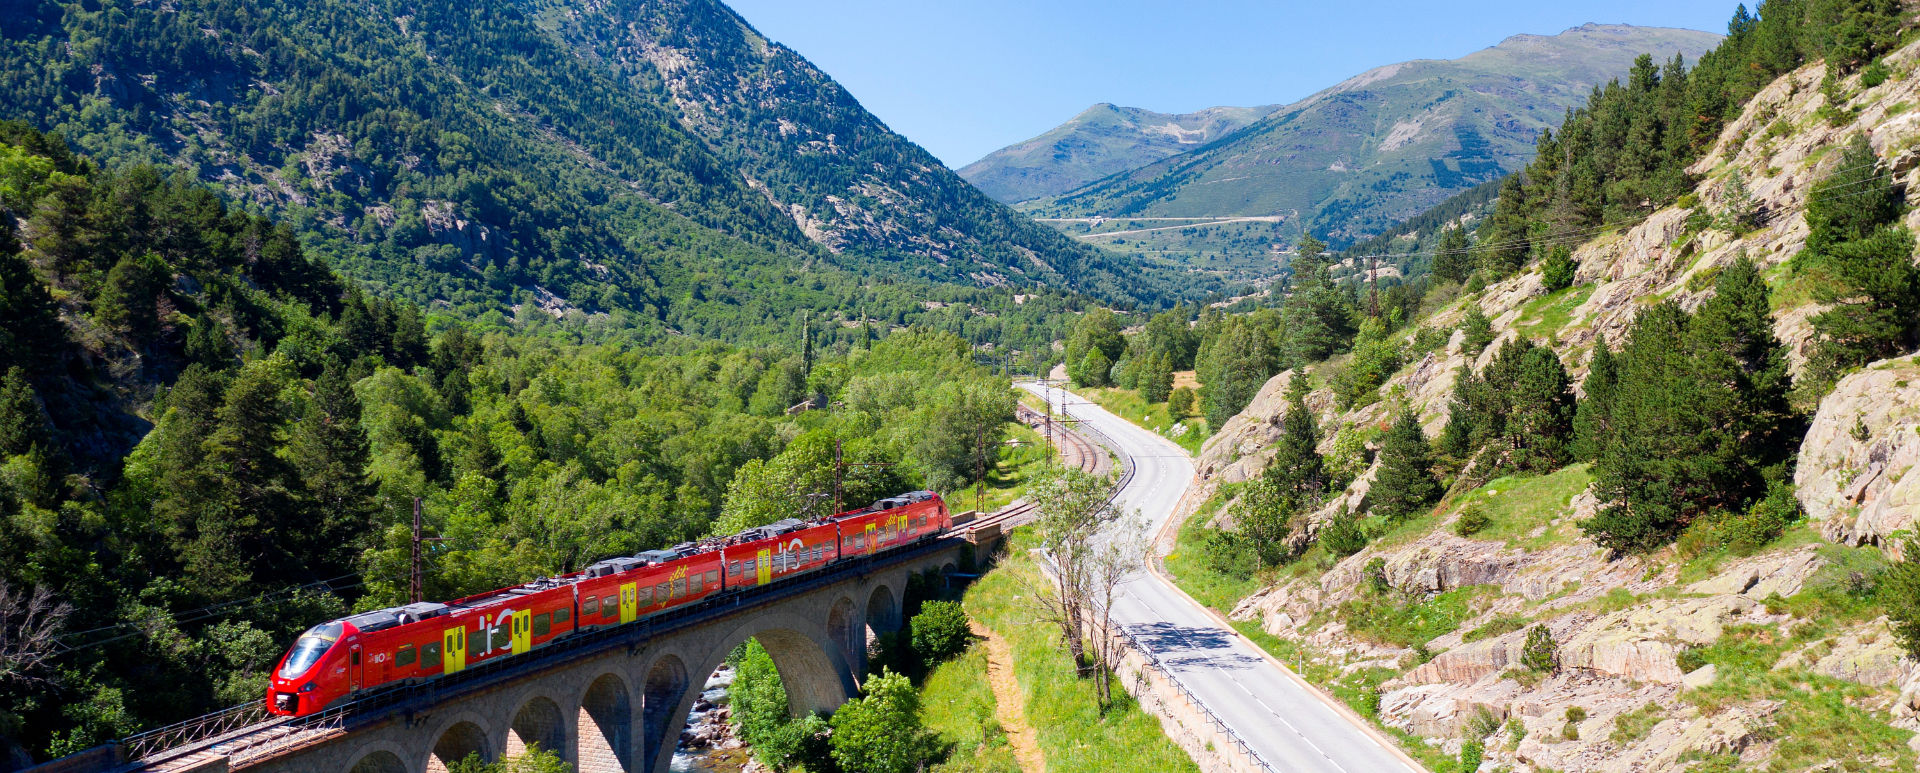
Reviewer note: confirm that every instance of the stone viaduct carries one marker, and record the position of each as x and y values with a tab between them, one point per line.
620	707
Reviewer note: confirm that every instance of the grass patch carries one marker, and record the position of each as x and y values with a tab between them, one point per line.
1516	505
1637	724
1073	733
1819	720
1397	619
1129	405
1498	626
1187	564
958	706
1550	313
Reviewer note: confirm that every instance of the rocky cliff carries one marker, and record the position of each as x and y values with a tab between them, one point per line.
1819	684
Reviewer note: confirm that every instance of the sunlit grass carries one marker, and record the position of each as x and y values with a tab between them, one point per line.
958	705
1073	733
1129	405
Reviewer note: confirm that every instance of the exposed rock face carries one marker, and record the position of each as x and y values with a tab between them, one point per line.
1868	655
1643	643
1858	477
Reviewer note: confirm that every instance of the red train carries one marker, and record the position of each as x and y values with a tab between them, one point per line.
336	659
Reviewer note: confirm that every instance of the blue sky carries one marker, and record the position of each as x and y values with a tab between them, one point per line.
965	77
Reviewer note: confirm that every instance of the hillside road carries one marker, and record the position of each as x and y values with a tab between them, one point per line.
1288	724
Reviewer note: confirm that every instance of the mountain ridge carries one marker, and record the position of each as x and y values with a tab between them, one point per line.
1384	144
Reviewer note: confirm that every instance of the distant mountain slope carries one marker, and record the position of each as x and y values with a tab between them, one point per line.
475	154
1102	140
1388	143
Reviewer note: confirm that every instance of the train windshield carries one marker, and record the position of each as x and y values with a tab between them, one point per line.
309	648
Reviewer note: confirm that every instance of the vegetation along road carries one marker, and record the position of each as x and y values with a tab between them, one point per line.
1287	724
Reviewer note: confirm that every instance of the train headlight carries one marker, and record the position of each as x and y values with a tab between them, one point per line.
308	687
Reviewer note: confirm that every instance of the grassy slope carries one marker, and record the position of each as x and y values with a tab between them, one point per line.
1074	735
1129	405
958	705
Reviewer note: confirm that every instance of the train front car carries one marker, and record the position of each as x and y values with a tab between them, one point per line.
313	673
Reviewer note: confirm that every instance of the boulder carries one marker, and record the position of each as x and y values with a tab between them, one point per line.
1857	474
1764	575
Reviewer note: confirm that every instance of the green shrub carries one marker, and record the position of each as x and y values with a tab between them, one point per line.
1343	535
1556	272
1483	723
1570	731
1576	714
1899	590
1376	574
1227	554
1875	74
1516	730
1690	660
1470	754
1542	654
1473	518
939	631
1180	402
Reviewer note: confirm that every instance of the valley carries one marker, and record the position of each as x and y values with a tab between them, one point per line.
530	386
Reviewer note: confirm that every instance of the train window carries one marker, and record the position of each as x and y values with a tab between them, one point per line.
562	615
713	576
542	625
696	583
590	606
430	655
405	655
502	637
660	593
355	657
680	587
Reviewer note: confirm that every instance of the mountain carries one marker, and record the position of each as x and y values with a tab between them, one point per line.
1386	144
1102	140
491	155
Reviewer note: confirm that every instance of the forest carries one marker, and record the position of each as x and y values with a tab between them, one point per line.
211	441
533	182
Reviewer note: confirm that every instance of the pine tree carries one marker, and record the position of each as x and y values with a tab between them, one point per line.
208	345
127	302
1095	369
1297	470
1592	418
330	450
1405	484
1233	368
1539	412
1476	330
237	528
1852	201
23	424
1317	315
1503	240
1556	272
1875	300
31	336
1652	479
1453	257
1157	382
1743	385
1459	439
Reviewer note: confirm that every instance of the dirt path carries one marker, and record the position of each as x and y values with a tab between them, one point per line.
1009	707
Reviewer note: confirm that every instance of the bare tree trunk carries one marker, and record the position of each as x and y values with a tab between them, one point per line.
27	627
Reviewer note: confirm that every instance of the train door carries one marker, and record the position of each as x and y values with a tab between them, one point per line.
522	631
873	537
763	566
629	602
353	667
453	647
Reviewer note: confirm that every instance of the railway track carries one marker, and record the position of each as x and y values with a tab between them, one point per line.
246	734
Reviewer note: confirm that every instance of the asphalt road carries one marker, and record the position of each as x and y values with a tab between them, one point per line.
1289	725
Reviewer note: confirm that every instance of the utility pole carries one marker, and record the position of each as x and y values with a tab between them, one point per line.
416	589
1373	290
840	470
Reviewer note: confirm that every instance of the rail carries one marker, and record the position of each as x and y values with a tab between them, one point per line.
227	732
246	732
